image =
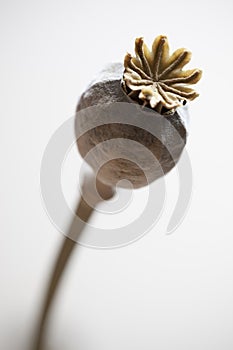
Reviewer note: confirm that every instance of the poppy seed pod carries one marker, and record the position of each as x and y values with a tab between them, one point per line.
150	91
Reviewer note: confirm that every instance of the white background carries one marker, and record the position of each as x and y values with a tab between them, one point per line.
162	292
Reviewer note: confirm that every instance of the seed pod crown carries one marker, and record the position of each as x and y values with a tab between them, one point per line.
156	79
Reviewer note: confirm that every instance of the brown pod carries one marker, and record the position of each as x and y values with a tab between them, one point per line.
154	80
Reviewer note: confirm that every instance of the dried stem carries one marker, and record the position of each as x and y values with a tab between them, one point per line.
84	212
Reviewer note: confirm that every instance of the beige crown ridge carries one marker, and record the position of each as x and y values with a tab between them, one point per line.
156	79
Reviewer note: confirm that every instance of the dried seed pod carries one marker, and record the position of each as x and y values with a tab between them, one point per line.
151	79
